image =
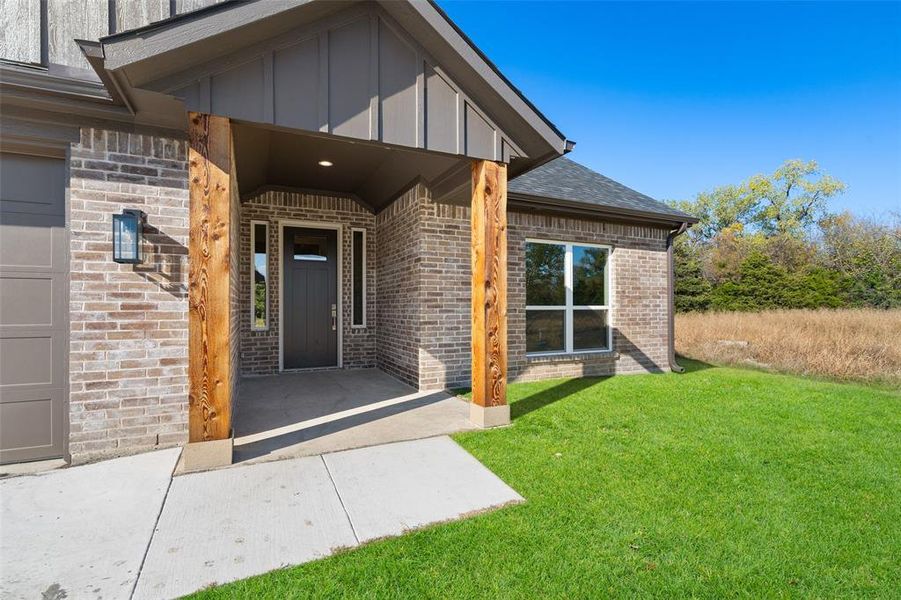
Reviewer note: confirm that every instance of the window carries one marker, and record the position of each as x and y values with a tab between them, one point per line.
358	294
259	274
310	248
567	298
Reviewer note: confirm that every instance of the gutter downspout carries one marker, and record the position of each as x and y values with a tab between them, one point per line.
670	276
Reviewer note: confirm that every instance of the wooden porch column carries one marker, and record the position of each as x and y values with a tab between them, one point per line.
489	294
211	179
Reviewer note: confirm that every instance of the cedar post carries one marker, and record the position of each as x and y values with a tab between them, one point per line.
489	294
209	356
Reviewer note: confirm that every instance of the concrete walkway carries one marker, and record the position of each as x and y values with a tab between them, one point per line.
124	528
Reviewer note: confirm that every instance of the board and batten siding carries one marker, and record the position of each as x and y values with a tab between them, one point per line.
354	74
44	33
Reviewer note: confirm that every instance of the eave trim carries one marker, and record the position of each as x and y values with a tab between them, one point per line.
602	212
503	77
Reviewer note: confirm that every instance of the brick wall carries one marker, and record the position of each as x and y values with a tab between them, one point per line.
260	349
398	263
236	298
639	297
445	359
638	279
128	341
129	326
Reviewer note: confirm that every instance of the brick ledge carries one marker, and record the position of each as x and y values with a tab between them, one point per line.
574	357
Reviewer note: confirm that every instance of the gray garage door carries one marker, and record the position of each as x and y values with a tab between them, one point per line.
33	308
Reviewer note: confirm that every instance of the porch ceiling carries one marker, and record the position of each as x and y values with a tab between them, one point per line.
374	173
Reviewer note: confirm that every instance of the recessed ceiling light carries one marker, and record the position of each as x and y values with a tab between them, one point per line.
325	163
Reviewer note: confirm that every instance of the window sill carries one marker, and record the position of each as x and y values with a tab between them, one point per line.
571	356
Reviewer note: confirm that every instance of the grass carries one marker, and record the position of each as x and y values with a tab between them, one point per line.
717	483
852	344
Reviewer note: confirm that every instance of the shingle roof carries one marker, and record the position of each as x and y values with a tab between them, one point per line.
565	179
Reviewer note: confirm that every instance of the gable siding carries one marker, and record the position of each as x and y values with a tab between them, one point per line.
64	21
353	74
20	31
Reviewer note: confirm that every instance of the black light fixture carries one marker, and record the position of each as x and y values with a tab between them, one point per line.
128	228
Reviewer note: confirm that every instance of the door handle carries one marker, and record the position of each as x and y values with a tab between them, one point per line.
334	317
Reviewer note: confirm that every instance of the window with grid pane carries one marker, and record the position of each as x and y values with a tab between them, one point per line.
567	297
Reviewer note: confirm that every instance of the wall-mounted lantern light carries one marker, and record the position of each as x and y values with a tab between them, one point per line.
127	232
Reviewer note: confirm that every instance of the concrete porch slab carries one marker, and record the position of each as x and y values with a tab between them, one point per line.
414	484
303	414
229	524
81	532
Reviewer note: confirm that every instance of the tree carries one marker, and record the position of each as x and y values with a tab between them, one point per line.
760	285
691	288
725	253
867	254
814	287
755	248
792	199
724	207
786	203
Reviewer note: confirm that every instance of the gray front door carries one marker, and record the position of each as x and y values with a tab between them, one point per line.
310	311
33	307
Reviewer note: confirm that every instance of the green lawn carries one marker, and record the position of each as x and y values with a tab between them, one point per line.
716	483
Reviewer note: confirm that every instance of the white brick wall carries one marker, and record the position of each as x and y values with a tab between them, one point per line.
129	327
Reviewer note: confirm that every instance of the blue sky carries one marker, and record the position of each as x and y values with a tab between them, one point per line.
675	98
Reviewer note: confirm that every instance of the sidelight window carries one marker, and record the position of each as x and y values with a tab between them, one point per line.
567	298
259	275
358	281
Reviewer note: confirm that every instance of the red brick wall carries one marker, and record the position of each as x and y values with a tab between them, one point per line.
129	325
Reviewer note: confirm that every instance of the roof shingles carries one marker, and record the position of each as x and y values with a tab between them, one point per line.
567	180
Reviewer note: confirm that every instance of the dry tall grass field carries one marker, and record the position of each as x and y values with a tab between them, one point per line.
860	345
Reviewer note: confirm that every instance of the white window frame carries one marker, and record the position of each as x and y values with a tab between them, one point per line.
352	290
568	308
253	316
